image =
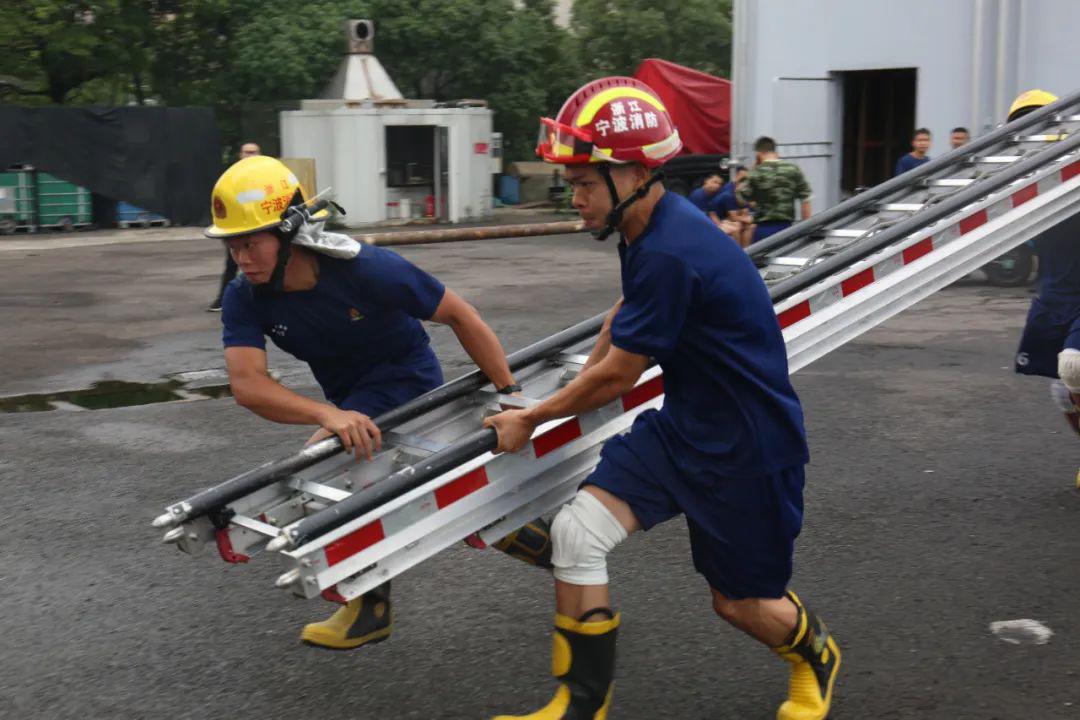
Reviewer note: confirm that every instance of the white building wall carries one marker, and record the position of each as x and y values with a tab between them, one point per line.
971	57
1049	54
349	149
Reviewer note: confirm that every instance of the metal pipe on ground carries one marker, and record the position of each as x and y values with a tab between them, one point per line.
494	232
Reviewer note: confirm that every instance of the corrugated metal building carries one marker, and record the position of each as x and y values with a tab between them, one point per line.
841	84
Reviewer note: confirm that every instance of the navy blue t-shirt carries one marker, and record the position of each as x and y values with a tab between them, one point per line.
359	327
702	200
1059	265
699	307
909	161
724	203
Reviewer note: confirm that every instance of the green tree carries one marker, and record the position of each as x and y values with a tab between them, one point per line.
540	70
230	54
78	52
514	56
616	35
50	48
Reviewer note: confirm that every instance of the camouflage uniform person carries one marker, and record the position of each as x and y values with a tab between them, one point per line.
773	186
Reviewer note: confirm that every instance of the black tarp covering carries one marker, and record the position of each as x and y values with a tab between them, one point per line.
165	160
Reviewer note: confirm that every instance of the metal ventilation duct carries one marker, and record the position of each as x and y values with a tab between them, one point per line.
361	76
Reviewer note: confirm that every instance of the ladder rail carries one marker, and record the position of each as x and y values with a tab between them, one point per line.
218	497
530	490
898	285
876	194
408	478
956	202
422	497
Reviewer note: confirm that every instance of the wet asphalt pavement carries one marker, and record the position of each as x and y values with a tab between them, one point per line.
941	497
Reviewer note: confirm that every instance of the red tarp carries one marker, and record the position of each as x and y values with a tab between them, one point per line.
700	104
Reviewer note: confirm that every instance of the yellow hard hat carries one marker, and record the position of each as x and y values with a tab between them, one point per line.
252	195
1029	101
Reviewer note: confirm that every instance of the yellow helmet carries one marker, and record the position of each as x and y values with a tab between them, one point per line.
251	196
1029	101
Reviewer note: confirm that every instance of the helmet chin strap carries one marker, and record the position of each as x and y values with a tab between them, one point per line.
285	238
277	278
615	217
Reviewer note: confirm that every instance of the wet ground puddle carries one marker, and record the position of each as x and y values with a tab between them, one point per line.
112	394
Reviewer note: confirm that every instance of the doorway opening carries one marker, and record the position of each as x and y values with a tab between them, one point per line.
879	117
416	172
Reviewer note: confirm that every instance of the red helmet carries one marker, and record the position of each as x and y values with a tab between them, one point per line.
613	119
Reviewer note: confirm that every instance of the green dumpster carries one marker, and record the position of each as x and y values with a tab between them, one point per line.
61	204
17	201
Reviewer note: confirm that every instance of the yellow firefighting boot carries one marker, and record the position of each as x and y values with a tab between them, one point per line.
363	621
815	662
531	544
583	661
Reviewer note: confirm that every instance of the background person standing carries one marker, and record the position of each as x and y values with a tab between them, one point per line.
920	146
773	186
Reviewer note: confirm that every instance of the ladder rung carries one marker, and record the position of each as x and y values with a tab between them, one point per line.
1039	138
572	358
498	400
319	490
412	442
788	261
257	526
950	182
846	232
997	159
901	207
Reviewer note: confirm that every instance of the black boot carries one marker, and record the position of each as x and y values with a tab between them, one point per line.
365	620
530	543
815	662
583	661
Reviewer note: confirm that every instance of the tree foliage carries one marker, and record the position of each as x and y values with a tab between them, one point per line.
616	35
230	53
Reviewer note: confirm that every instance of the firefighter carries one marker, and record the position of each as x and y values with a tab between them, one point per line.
728	447
353	313
1050	343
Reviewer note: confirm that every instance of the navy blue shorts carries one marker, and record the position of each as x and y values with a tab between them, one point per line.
766	229
742	530
375	399
1047	332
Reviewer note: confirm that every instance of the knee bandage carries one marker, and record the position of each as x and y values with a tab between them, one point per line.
582	535
1069	368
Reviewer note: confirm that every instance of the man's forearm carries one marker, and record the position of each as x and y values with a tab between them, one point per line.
603	342
805	209
590	390
268	399
483	346
600	349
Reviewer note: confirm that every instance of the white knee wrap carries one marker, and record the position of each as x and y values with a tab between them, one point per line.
582	535
1069	368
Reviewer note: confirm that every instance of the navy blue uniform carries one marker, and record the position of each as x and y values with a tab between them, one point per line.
909	162
702	200
725	203
1053	322
727	448
358	329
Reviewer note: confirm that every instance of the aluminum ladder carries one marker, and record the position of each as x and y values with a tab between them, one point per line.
342	527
